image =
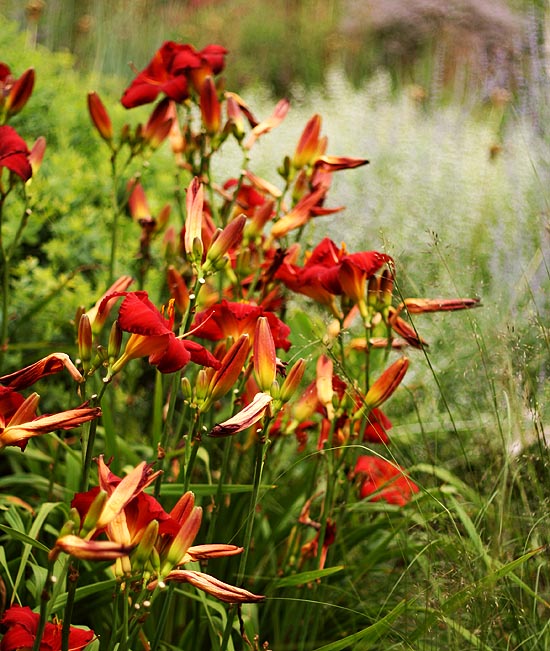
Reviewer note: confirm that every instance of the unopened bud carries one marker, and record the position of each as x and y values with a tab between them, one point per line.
292	380
115	342
387	383
100	117
20	92
85	341
228	239
94	512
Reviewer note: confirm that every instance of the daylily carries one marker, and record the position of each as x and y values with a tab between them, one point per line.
98	316
14	153
228	593
162	541
228	319
49	365
88	550
265	126
17	427
247	417
383	480
171	70
21	625
152	336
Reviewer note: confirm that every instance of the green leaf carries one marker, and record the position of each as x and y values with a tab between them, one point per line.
306	577
368	636
85	591
22	537
211	489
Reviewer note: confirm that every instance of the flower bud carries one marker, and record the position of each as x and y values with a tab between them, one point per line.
292	380
193	222
20	92
226	240
235	118
85	341
265	356
308	143
387	383
37	154
100	117
94	512
225	378
183	540
145	546
159	124
115	342
210	106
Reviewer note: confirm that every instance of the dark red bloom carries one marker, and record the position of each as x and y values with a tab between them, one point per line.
14	153
227	319
170	72
21	624
383	480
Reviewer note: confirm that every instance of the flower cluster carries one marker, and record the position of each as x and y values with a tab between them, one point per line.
214	331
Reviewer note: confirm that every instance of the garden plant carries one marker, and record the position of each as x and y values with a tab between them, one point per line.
214	452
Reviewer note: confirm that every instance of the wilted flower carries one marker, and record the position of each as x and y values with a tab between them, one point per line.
16	428
49	365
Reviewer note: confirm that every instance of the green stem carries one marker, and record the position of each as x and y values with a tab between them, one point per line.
161	623
44	600
262	447
72	580
114	227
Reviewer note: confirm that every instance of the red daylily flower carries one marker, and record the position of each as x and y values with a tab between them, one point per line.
383	480
151	336
22	624
171	70
14	153
19	422
228	319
